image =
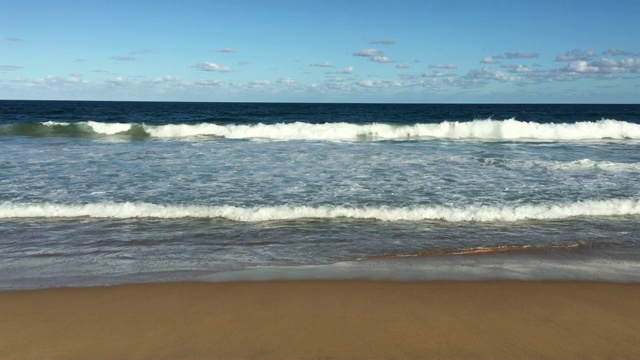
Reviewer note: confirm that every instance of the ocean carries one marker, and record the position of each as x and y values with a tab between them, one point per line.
100	193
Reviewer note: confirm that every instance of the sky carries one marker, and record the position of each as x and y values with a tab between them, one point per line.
424	51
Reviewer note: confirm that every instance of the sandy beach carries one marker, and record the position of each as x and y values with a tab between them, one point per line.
324	320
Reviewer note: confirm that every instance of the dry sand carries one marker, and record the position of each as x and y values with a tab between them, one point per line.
324	320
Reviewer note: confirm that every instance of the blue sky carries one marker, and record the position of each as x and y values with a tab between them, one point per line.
321	51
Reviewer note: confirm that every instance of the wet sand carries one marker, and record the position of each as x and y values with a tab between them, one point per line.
324	320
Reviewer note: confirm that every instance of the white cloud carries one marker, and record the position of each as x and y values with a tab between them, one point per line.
481	77
373	55
508	55
226	50
117	81
369	53
123	58
337	84
210	83
287	81
381	59
379	83
488	60
402	66
433	74
520	55
165	79
618	52
347	70
406	76
207	66
325	64
259	83
443	66
575	55
603	66
513	68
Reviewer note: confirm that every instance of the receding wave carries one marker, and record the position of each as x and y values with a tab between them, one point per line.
616	207
487	129
479	251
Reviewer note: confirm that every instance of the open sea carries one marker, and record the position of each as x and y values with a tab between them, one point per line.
98	193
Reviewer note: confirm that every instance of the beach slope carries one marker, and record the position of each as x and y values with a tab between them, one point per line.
324	320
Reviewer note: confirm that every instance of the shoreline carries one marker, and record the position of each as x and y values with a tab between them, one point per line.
318	319
614	265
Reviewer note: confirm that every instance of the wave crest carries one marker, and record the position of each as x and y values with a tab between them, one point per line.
487	129
616	207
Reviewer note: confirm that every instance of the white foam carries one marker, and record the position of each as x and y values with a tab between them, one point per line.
601	165
126	210
488	129
108	128
478	129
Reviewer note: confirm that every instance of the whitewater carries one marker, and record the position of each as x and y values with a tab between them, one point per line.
616	207
486	129
98	193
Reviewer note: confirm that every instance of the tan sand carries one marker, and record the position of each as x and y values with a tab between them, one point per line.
324	320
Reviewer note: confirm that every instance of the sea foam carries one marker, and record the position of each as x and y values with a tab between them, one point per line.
487	129
614	207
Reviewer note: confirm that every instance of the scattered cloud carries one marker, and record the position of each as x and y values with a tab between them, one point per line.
513	68
383	42
407	76
369	53
210	83
207	66
520	55
244	63
12	38
226	50
347	70
4	68
258	84
287	81
325	64
123	58
374	55
165	79
508	55
603	66
481	77
576	55
618	52
488	60
402	66
433	74
379	83
117	81
443	66
381	59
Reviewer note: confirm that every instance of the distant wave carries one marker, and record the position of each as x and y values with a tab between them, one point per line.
487	129
128	210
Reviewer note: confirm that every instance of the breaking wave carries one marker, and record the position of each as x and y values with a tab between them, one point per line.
487	129
616	207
